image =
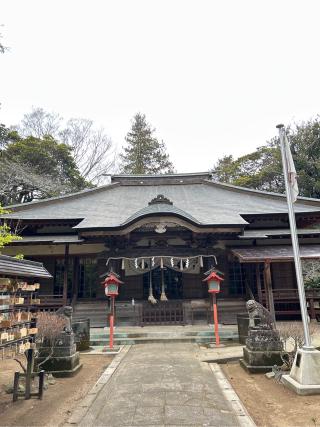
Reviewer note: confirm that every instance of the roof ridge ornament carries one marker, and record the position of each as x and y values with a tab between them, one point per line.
160	199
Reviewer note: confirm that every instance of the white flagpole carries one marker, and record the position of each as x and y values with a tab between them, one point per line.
295	245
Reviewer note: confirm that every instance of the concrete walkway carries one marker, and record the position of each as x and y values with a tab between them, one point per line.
161	384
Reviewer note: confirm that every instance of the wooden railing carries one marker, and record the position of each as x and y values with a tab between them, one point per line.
47	302
286	301
164	313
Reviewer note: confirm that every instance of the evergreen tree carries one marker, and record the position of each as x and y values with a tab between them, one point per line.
144	154
262	169
33	168
6	235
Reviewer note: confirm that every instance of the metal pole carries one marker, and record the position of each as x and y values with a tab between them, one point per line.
295	245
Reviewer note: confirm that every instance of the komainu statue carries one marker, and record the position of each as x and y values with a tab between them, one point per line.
256	310
263	345
66	313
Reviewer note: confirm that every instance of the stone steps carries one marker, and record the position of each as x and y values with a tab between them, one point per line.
200	336
97	312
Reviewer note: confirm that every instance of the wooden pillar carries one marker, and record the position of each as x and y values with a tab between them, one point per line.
247	281
75	279
258	279
65	274
310	299
268	288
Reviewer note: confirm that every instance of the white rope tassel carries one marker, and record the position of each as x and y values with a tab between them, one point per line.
161	263
201	262
122	264
151	298
163	296
142	264
181	265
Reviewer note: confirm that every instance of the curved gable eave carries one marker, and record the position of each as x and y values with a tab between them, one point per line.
163	219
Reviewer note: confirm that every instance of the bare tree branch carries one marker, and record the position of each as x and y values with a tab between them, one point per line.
92	149
2	47
40	123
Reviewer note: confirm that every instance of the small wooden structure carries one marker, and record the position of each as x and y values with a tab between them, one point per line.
282	301
17	321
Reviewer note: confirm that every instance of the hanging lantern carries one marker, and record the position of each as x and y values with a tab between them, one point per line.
111	285
213	281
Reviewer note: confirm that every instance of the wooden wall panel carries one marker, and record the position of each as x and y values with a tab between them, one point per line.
193	287
132	288
283	275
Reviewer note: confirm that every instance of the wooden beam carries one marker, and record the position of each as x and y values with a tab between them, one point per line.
65	274
268	288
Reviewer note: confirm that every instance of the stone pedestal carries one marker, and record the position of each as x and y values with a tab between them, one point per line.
81	330
65	360
304	376
263	350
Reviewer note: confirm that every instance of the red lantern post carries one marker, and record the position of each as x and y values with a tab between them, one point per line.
213	281
111	285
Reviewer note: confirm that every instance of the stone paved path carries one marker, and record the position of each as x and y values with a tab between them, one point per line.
161	385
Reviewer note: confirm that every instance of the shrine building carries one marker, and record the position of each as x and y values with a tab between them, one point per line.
161	234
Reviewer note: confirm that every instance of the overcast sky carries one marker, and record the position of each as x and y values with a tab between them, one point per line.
213	77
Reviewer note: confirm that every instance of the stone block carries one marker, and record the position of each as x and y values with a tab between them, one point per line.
58	351
81	329
264	340
61	366
306	367
270	375
262	358
304	376
254	369
301	389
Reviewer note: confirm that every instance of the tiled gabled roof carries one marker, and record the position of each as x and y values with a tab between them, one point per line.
200	200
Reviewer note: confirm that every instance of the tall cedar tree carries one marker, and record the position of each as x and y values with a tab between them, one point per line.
144	154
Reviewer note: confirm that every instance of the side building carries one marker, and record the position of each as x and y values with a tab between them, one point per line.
161	233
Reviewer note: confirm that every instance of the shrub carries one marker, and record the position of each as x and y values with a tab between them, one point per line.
292	336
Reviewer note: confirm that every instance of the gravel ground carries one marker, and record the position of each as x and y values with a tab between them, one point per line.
59	399
271	404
